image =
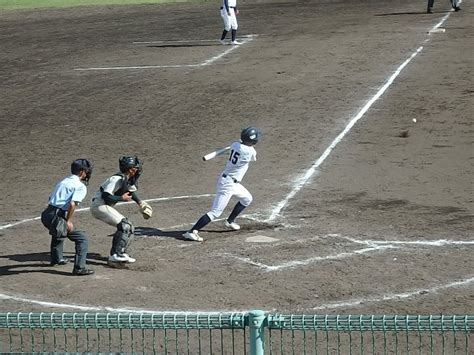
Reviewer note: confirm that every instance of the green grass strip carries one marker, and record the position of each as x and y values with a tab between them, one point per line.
32	4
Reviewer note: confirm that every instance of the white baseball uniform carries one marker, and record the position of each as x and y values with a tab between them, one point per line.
229	182
230	21
115	185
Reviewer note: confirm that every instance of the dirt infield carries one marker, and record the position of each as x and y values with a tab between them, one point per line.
384	222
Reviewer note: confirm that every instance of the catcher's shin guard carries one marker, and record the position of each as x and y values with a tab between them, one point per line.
122	237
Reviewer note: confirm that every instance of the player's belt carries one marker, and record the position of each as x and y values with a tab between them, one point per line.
226	176
230	7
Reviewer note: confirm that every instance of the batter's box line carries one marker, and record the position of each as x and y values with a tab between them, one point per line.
304	262
430	243
204	63
372	246
394	296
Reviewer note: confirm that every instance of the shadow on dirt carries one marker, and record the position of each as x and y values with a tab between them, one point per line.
155	232
40	263
181	45
411	13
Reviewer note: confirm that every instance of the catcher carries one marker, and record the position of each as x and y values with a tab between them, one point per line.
121	186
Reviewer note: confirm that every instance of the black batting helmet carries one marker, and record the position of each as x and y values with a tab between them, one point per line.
250	135
79	165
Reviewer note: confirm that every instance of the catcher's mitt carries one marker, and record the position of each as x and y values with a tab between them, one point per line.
146	210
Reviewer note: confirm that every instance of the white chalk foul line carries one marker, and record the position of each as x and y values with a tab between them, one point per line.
301	181
9	225
98	308
394	296
372	246
186	40
332	305
204	63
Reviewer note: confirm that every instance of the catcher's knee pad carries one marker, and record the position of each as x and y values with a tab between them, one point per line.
122	237
126	226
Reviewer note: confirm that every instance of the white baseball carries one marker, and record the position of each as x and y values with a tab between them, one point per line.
414	120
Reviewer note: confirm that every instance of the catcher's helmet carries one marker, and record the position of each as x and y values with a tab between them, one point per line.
250	135
131	161
79	165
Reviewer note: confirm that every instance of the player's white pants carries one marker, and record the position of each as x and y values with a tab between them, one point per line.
225	189
106	214
230	22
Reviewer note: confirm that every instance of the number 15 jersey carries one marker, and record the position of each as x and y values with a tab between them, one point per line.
239	158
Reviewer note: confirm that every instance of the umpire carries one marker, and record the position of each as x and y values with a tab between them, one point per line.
57	217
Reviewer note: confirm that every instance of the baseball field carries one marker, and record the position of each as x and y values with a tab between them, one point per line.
363	186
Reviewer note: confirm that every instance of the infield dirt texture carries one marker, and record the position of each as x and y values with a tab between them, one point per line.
383	226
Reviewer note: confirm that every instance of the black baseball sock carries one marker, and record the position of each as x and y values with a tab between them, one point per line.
234	35
203	221
224	34
235	212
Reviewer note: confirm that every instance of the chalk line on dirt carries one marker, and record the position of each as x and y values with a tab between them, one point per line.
301	181
371	246
394	296
204	63
9	225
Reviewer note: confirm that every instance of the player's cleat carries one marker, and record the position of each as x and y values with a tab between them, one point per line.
235	43
119	258
221	41
232	225
130	259
193	235
430	10
82	272
457	8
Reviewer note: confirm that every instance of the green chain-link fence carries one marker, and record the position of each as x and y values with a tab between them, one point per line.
234	333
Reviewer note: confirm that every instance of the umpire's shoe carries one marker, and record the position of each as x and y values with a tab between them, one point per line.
82	272
64	261
430	10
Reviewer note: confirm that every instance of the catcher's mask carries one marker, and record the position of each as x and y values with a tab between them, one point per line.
79	165
128	162
250	135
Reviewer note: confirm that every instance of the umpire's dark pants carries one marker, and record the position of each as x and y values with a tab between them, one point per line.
49	218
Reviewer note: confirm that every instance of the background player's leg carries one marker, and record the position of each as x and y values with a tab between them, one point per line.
224	34
430	6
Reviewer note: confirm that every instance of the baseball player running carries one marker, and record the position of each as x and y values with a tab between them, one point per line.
121	186
229	14
229	184
57	217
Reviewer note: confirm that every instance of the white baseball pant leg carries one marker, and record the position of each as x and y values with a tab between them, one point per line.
107	214
230	22
226	188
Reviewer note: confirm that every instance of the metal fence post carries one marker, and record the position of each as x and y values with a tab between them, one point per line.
257	324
